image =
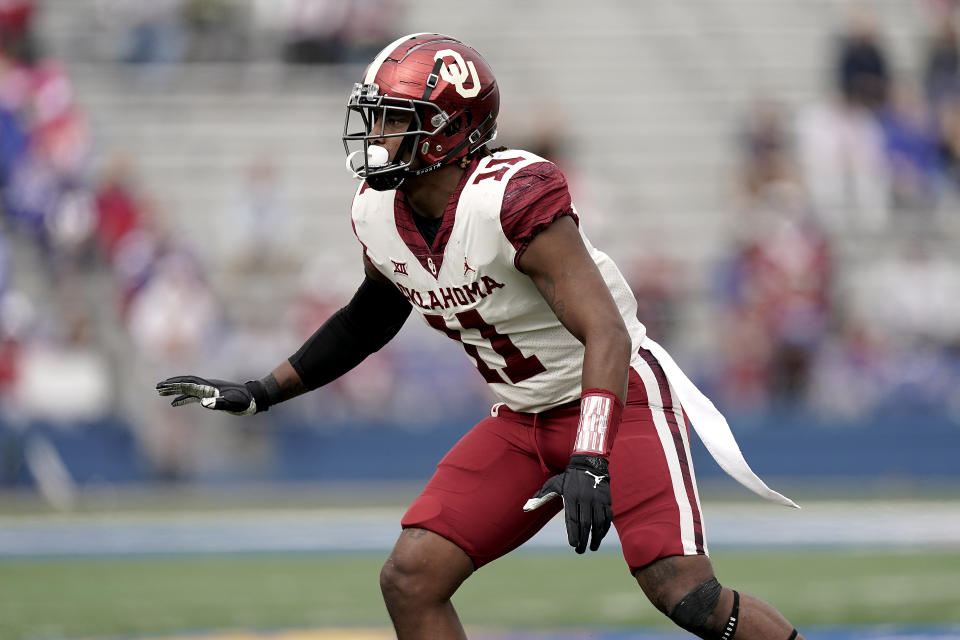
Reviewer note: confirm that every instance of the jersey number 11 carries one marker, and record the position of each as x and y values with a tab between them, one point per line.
518	367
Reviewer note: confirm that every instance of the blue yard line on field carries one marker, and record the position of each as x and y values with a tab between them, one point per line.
850	525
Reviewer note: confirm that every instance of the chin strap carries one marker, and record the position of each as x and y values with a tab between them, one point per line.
466	143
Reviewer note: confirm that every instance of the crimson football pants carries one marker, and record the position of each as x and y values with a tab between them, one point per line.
475	498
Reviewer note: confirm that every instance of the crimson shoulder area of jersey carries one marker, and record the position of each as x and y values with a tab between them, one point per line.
534	197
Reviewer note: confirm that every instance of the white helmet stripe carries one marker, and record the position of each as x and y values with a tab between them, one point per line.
387	50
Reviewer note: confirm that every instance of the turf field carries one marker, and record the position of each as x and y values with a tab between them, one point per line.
126	596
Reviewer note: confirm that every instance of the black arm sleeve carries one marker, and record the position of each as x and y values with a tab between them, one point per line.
370	320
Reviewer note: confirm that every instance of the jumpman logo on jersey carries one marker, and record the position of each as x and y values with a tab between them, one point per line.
467	268
400	267
596	479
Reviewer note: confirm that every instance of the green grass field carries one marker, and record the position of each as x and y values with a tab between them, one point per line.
56	598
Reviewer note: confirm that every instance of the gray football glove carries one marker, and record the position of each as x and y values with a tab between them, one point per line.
220	395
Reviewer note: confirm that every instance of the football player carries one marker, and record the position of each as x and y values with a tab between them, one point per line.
592	416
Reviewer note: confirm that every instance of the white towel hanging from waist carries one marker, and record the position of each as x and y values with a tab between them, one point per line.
712	427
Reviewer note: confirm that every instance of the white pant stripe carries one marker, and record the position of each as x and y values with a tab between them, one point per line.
681	421
670	453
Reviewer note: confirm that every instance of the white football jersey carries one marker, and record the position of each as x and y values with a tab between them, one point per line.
467	285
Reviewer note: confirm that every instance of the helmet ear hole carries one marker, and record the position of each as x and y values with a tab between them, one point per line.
455	126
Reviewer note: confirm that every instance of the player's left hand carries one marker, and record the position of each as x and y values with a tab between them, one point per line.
585	488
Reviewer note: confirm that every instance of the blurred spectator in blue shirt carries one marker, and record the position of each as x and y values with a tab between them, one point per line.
910	141
13	137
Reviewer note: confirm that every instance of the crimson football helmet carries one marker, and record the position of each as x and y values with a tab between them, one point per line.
445	87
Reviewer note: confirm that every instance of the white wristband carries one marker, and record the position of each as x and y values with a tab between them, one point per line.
596	417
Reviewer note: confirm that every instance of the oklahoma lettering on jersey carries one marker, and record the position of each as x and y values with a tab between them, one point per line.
467	284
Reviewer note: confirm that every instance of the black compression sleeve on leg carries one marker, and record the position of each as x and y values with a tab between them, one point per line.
370	320
692	611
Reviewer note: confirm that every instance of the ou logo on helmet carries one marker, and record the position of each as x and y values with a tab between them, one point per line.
456	73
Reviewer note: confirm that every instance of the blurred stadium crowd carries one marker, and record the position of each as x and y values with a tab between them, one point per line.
875	160
837	294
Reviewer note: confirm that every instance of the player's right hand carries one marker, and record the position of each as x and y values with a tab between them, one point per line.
220	395
585	489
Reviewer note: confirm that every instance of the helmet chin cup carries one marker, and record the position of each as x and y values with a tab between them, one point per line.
380	180
386	181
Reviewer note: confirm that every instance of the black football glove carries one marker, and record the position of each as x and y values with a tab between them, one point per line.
585	488
221	395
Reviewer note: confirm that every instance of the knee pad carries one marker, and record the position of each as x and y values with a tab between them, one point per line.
692	611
